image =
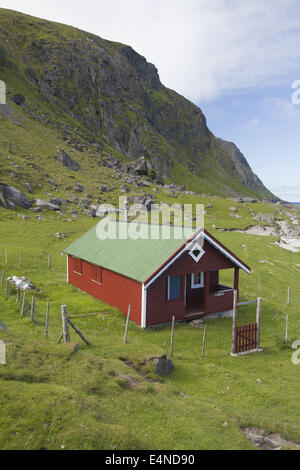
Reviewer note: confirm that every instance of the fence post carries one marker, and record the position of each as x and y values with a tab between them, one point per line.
258	321
49	260
23	304
32	309
203	342
65	324
3	277
47	319
18	295
172	336
127	324
287	328
234	315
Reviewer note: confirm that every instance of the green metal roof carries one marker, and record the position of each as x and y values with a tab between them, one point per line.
134	258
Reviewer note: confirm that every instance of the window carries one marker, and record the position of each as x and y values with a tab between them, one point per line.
196	252
97	274
174	287
197	280
77	265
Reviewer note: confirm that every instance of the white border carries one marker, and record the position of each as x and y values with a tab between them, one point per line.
144	307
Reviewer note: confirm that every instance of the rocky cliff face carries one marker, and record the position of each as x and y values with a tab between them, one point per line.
112	95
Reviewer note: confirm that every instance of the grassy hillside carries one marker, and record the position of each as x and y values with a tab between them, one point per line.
57	397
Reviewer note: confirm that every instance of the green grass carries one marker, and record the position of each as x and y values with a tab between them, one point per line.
55	397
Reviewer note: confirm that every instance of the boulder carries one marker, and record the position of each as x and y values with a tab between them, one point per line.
11	197
78	188
66	160
125	189
46	205
29	187
164	365
138	166
18	99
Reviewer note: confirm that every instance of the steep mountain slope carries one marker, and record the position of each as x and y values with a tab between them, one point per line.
100	96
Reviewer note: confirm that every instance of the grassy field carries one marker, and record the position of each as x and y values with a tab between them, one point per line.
57	397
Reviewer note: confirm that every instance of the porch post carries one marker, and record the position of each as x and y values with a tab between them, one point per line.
236	279
206	289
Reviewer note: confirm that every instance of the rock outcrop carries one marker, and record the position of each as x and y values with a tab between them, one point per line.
66	160
11	197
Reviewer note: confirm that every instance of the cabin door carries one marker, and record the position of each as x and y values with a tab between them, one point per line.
194	293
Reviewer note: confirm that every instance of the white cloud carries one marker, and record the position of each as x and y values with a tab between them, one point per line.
287	193
281	108
202	48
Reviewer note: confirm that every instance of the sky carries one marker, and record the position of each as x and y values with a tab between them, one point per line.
238	60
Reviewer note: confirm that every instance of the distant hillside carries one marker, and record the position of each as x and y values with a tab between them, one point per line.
95	96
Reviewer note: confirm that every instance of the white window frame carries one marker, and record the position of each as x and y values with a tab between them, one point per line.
195	285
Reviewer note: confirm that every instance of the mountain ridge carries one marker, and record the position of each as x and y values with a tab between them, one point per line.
109	97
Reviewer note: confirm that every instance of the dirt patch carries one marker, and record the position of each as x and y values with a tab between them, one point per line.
131	381
265	441
130	364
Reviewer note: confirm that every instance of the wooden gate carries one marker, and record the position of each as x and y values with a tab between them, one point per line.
246	338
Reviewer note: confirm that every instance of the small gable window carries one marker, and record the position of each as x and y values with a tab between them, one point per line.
197	280
174	287
196	252
97	274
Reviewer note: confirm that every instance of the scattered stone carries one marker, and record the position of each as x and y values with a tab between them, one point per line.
29	187
233	209
78	188
104	187
66	160
198	323
260	438
52	182
40	203
125	189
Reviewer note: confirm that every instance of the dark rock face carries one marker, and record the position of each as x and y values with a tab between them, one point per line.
11	197
66	160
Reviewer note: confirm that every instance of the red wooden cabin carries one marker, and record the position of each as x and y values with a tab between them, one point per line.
158	278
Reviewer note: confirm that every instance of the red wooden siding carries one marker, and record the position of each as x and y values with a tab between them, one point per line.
160	309
116	290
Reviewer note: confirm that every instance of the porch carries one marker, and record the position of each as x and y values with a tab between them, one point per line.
208	295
